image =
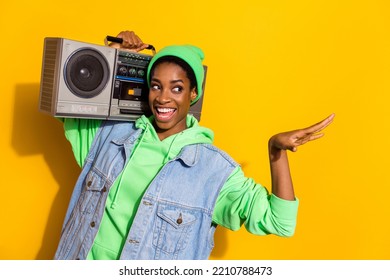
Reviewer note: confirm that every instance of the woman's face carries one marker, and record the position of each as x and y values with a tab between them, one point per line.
170	97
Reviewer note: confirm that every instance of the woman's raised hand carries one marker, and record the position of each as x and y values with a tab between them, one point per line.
290	140
131	41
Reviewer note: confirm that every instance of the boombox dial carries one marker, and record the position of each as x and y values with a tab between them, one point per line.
133	72
122	70
141	73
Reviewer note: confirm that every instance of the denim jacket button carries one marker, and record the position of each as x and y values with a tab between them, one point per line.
92	224
179	220
89	183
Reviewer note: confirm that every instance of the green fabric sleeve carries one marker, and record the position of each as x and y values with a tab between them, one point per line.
243	201
80	133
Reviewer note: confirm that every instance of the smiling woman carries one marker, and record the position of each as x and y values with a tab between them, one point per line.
157	188
170	96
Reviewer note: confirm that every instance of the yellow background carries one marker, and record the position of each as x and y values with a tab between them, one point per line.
273	66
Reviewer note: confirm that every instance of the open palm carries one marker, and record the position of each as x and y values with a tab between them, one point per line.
290	140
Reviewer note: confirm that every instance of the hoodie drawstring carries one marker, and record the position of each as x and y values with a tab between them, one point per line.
113	203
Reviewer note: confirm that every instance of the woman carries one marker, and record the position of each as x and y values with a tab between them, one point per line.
156	188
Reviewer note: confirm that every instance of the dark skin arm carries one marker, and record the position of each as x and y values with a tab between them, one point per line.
278	145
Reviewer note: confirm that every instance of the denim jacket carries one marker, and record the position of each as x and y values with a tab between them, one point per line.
174	219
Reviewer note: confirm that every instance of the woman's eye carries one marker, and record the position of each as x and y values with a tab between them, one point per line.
177	89
154	87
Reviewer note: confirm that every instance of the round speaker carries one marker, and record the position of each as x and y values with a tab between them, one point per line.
86	73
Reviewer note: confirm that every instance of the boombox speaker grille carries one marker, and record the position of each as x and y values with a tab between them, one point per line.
86	73
48	75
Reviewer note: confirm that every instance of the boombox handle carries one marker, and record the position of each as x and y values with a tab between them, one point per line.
120	41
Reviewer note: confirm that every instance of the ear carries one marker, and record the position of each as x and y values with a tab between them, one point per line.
194	94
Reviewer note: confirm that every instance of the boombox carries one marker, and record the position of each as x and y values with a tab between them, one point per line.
82	80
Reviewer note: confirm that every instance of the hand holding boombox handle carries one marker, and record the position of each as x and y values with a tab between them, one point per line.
120	41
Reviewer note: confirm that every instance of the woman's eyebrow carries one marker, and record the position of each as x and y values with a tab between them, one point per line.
177	81
172	81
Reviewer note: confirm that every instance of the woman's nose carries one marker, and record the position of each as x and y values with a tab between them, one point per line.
163	97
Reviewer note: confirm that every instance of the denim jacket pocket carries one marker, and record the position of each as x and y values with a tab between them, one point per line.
172	227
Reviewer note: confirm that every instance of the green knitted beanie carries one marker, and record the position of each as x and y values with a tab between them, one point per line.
190	54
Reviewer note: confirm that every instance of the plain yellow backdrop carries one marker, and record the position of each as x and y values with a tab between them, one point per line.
273	66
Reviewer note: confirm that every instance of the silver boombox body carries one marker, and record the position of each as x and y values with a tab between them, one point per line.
82	80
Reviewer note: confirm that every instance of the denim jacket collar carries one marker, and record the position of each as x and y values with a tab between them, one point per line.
190	157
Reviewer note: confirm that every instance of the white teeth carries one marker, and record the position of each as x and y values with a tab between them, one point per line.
165	110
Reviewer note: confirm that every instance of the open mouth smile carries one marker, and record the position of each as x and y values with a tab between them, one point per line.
164	113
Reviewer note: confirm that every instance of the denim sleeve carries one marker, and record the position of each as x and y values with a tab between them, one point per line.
80	133
243	201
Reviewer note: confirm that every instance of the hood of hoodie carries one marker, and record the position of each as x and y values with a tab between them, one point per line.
194	134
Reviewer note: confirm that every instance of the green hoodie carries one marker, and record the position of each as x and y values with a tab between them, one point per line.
241	200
